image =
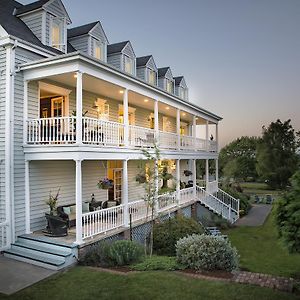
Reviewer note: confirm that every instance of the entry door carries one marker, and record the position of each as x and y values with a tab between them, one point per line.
57	107
118	184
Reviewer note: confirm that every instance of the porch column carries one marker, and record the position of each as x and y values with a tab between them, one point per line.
206	173
156	188
27	198
206	136
178	128
78	197
156	122
79	108
194	178
125	118
194	131
25	112
217	170
217	137
178	180
125	193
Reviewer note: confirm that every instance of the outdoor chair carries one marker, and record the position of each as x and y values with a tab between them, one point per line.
257	199
56	226
269	199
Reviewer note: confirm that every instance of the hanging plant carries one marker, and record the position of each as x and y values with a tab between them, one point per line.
140	178
105	184
187	173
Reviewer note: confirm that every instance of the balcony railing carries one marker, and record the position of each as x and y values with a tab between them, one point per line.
63	130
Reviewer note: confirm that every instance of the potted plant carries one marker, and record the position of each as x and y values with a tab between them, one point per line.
105	184
52	201
187	173
140	178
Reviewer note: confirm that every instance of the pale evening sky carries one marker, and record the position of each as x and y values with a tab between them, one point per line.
240	58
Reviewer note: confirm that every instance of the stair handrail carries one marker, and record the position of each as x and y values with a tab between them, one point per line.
237	201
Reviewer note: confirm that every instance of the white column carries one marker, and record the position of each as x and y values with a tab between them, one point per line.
207	173
178	128
79	108
217	137
194	131
156	123
156	188
194	177
125	192
217	171
78	197
25	112
178	180
27	198
125	118
206	136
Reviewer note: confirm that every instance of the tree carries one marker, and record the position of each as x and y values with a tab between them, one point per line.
276	154
288	215
238	159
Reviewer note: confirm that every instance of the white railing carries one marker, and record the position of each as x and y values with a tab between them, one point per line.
186	195
212	187
228	199
141	137
138	210
168	140
51	130
187	142
167	201
201	144
4	236
212	146
100	132
103	220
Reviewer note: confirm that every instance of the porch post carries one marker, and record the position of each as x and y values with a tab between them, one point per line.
206	173
79	108
178	128
206	136
156	188
25	112
217	171
156	123
217	137
125	118
178	180
194	178
78	197
194	131
27	198
125	193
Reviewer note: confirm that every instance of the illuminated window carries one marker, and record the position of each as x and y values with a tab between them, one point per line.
57	33
169	86
128	65
152	77
98	50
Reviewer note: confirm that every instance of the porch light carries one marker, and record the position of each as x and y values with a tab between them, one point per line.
183	114
75	75
121	92
146	100
167	108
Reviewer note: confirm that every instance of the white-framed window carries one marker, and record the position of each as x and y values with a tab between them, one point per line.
167	127
169	86
152	77
98	49
182	93
57	33
102	109
128	64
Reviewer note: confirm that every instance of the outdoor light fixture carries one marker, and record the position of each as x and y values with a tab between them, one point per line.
121	92
75	75
167	108
146	100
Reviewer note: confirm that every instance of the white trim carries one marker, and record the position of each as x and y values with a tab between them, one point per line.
178	179
79	108
90	40
125	192
61	98
54	88
27	198
44	27
78	196
125	117
25	111
178	127
3	32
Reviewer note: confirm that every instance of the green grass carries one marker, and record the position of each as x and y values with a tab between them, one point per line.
261	251
260	189
85	283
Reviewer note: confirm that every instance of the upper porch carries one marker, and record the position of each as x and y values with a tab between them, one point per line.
117	111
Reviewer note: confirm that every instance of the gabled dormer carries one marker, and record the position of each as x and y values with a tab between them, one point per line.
121	56
181	89
166	80
48	20
146	69
90	39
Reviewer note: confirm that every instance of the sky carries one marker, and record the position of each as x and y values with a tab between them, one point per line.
240	58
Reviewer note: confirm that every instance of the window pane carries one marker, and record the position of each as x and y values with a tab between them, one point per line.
57	34
98	49
128	65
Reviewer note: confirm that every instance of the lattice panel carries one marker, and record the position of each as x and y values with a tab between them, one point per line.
187	211
140	233
167	216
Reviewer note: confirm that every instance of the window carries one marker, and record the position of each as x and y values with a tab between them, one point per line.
57	33
152	77
98	49
181	93
102	109
169	86
128	64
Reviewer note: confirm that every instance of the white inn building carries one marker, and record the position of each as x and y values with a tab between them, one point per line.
75	109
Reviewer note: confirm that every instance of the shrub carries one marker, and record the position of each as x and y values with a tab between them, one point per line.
166	234
121	253
164	263
97	257
203	252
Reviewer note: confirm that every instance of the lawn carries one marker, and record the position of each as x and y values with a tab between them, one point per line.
85	283
261	251
260	189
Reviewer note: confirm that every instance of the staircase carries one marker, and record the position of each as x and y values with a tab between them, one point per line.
219	202
42	252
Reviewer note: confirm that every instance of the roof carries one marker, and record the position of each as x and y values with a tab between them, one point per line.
31	6
163	71
117	47
81	30
178	80
143	60
16	27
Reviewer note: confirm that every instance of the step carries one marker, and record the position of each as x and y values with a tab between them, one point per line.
43	247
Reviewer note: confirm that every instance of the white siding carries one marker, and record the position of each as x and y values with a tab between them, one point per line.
141	73
115	60
34	22
56	8
162	83
135	190
98	33
151	64
80	43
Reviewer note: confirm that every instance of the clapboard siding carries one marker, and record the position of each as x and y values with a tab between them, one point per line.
34	22
136	191
98	33
162	83
115	60
81	43
141	73
128	50
56	8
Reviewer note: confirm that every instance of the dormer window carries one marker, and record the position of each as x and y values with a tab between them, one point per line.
98	50
152	77
57	33
128	64
169	86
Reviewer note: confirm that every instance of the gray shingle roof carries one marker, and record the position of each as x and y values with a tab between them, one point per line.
143	60
116	48
31	6
81	30
178	80
163	71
